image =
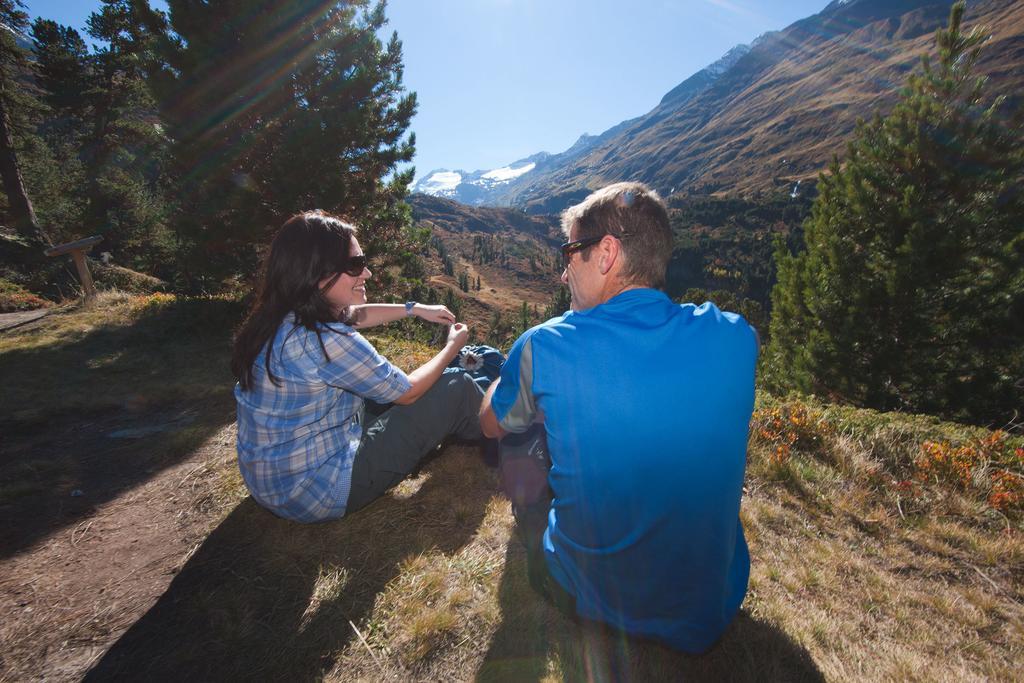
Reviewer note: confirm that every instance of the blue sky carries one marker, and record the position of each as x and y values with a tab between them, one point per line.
498	80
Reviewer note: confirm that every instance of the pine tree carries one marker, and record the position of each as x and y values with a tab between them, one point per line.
63	75
453	303
54	168
561	300
910	294
125	153
496	330
15	101
280	107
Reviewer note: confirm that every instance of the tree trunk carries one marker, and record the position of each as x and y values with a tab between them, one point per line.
22	213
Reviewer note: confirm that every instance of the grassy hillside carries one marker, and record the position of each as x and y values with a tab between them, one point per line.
506	256
884	546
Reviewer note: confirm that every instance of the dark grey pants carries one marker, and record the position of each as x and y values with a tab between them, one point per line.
396	441
524	466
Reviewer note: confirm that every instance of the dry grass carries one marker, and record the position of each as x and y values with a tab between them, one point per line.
880	600
879	578
852	578
842	585
404	353
120	351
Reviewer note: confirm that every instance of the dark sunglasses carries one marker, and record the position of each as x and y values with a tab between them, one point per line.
356	265
570	248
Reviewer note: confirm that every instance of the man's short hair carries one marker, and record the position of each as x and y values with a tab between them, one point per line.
634	213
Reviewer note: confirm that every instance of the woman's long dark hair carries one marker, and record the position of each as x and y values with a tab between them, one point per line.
309	248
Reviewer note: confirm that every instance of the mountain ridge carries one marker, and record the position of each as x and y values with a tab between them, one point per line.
468	189
733	127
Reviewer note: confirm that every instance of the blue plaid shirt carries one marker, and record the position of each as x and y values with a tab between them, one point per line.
297	441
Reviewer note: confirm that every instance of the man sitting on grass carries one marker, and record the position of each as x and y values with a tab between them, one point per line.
632	517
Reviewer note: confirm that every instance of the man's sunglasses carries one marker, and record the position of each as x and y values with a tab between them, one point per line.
570	248
356	265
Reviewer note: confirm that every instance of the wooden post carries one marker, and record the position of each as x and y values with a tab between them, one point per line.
83	272
78	250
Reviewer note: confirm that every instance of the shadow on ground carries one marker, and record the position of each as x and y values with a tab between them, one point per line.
84	419
62	476
249	605
532	633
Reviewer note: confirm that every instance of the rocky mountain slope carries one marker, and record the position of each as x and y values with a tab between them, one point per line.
454	216
500	186
507	256
769	116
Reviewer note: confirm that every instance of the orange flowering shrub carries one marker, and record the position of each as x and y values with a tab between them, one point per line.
907	488
786	428
942	462
15	298
1007	490
967	465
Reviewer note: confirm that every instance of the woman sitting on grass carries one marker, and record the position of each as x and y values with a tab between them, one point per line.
304	372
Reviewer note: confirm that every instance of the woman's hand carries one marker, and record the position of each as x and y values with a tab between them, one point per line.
424	377
458	334
434	314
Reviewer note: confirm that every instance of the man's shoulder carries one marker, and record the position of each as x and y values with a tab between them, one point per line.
551	328
547	338
712	321
710	312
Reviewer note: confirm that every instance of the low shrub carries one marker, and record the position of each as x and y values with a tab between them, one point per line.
787	427
989	467
114	277
14	298
917	460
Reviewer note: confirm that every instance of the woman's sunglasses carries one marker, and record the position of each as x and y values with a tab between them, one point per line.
356	265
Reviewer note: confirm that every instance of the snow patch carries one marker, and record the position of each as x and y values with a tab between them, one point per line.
507	173
440	181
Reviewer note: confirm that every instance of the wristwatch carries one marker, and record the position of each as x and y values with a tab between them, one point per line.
409	305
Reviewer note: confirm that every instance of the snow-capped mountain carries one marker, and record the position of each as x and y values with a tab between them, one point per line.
764	116
439	183
499	186
479	187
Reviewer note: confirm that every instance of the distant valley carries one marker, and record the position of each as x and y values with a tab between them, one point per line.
735	149
722	244
505	256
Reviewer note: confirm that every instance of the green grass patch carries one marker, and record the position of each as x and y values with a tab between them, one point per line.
119	352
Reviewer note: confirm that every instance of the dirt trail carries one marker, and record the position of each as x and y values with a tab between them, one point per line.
11	320
69	596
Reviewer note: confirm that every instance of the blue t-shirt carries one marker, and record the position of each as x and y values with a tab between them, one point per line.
647	406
